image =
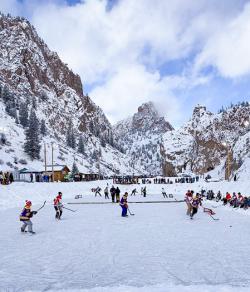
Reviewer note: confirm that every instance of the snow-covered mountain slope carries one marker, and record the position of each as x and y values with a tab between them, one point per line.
32	74
140	137
203	143
12	155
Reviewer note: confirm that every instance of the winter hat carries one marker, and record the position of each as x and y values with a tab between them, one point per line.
28	203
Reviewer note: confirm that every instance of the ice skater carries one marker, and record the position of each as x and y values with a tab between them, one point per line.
124	205
195	202
188	199
25	217
117	195
164	193
112	192
58	206
97	191
134	191
106	192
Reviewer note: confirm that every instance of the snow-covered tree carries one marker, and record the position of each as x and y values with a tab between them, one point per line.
81	145
34	104
70	136
5	94
32	140
74	170
10	105
43	128
103	142
23	115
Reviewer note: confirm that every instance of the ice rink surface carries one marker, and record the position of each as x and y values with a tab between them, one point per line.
95	249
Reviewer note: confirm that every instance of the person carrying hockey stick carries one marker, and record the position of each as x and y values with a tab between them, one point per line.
195	202
124	205
188	198
58	205
134	191
25	217
164	193
97	191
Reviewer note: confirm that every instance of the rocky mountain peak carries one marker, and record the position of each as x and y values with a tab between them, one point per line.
200	111
148	118
27	64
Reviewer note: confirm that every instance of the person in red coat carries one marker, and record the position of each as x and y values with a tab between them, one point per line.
58	205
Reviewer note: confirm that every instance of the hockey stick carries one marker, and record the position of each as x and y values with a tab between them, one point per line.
210	212
216	219
130	213
69	209
41	207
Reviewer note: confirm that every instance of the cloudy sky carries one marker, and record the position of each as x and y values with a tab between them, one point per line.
177	53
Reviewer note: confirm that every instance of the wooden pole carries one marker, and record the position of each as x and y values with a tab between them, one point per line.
45	158
52	158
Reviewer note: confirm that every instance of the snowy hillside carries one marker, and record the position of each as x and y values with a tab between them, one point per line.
34	78
203	143
140	137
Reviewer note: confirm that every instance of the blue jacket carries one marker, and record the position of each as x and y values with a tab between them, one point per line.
123	202
26	214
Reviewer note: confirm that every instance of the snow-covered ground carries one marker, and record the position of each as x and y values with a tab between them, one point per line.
95	249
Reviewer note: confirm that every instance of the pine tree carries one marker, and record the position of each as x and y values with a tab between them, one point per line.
103	142
5	94
73	139
10	105
43	128
70	136
74	169
94	155
34	104
32	141
81	146
23	115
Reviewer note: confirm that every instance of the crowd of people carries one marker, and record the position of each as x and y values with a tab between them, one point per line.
6	178
194	200
162	180
234	200
126	180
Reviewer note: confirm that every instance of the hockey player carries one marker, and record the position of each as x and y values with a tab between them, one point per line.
25	217
188	198
124	205
195	202
134	191
112	192
58	205
106	192
164	193
117	195
97	191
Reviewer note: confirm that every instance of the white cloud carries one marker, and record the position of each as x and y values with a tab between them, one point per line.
132	86
229	48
